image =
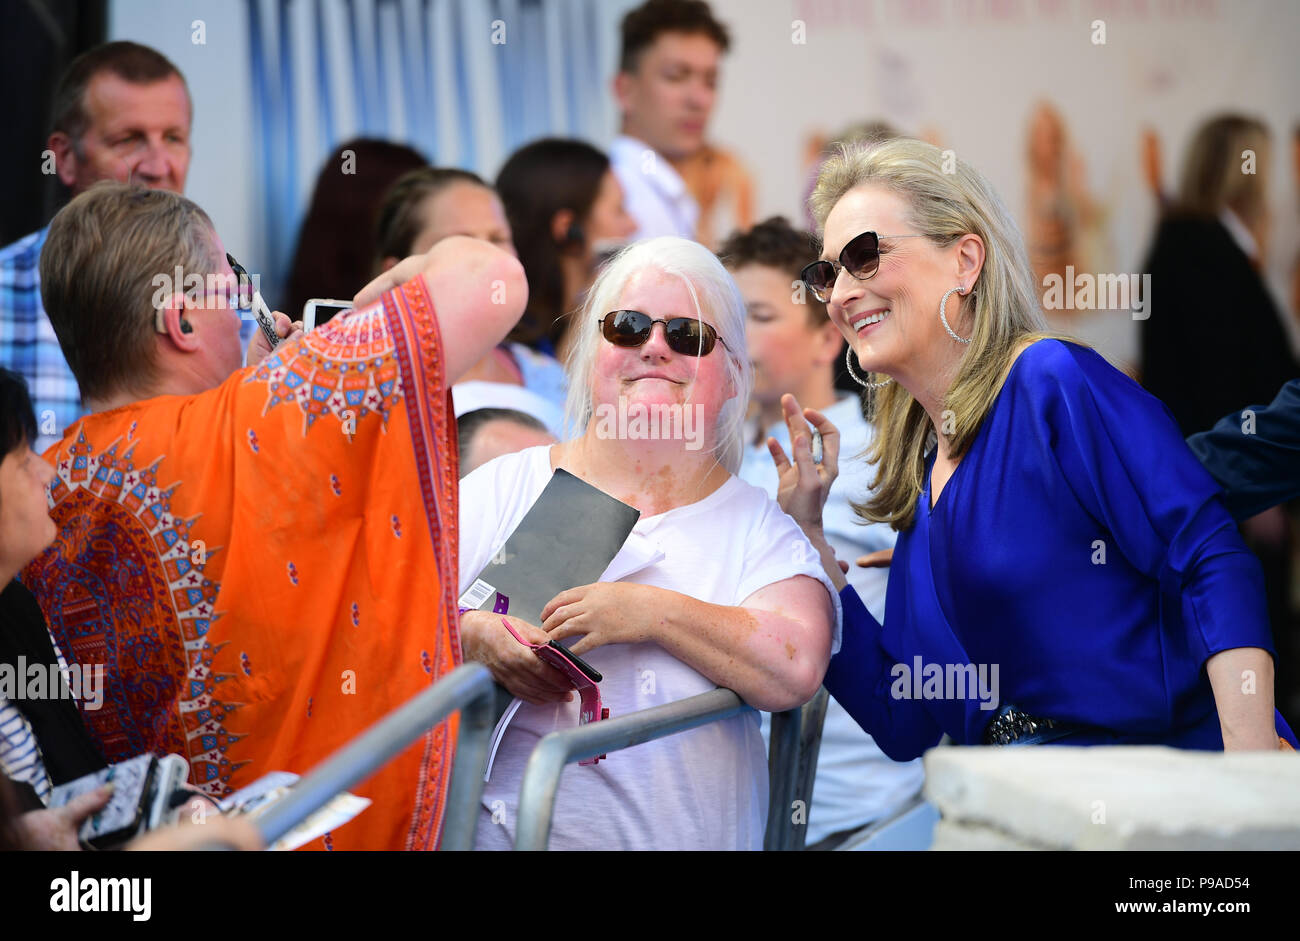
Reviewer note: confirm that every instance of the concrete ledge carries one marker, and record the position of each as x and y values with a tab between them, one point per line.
1110	798
950	835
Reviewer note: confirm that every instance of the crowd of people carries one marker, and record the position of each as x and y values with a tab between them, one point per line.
265	543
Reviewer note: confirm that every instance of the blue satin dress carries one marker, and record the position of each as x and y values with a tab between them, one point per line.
1081	550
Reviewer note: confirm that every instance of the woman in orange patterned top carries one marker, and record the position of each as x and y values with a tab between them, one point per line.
262	557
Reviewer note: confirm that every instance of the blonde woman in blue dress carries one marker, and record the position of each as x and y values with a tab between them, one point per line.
1055	532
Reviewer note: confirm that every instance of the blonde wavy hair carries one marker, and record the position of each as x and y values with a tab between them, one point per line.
1003	308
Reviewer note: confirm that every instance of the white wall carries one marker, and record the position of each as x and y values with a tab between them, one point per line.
222	177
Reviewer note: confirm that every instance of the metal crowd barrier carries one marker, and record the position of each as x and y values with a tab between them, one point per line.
792	761
554	751
468	688
790	767
795	742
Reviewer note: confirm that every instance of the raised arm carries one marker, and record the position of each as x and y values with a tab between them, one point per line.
859	676
804	485
478	291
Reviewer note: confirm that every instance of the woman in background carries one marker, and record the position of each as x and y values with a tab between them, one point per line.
565	207
43	742
335	253
426	206
1209	350
1216	347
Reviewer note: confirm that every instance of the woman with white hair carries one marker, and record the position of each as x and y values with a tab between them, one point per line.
729	593
1065	570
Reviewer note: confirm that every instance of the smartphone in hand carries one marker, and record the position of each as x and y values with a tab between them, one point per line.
320	310
122	817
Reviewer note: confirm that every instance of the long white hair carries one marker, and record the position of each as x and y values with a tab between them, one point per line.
711	288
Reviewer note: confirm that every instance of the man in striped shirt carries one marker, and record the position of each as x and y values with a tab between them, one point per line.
122	112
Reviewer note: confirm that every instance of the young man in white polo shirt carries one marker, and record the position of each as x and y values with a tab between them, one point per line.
666	87
794	348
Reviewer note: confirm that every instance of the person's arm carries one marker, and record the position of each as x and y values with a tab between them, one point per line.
860	678
211	831
859	675
493	498
1242	679
835	569
1126	462
478	291
772	650
1254	454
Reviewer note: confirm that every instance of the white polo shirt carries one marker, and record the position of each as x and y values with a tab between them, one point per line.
654	193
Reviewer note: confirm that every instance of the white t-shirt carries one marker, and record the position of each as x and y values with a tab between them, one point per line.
702	789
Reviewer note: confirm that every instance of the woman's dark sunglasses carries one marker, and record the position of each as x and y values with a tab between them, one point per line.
686	335
860	258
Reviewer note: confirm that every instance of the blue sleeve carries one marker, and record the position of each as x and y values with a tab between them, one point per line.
1122	455
1255	454
859	679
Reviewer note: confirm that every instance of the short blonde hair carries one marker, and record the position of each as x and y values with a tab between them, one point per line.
711	288
99	266
1004	308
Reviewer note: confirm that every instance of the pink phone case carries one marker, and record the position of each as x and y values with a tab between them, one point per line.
591	710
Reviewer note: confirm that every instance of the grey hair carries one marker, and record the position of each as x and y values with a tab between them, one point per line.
711	288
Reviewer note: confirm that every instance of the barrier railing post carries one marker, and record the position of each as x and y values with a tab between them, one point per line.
812	718
782	769
460	820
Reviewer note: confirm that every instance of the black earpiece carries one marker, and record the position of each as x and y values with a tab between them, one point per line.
185	326
575	235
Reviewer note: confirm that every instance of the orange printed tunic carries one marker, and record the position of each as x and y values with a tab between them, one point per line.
267	569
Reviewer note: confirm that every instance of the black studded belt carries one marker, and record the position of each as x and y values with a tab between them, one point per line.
1012	726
